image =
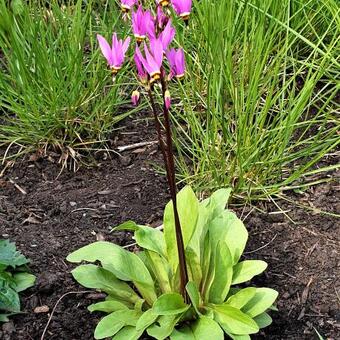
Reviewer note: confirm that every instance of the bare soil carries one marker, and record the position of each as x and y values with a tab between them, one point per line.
49	215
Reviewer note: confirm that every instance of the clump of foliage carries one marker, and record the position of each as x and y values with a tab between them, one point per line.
214	302
14	278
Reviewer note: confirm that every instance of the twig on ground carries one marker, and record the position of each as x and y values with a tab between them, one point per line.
135	146
17	186
54	308
264	246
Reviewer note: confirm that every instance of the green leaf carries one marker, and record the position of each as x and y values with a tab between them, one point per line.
9	256
107	306
194	295
206	328
239	337
241	298
187	205
160	269
151	239
92	276
114	322
193	265
263	299
23	281
183	333
234	321
164	327
147	319
236	235
128	333
108	326
122	263
170	304
263	320
4	317
9	299
128	225
223	274
246	270
217	202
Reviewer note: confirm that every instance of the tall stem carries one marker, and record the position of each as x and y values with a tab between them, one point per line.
166	149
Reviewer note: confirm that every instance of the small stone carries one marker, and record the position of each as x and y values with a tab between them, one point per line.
41	309
73	204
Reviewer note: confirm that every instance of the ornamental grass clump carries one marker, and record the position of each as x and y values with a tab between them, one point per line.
186	280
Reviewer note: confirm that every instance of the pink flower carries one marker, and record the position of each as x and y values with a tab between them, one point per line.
167	35
135	97
127	4
115	56
182	8
162	19
177	63
153	58
142	23
142	75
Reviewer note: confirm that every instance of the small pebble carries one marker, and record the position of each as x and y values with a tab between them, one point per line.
73	204
41	309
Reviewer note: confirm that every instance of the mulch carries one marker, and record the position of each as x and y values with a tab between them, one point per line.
49	215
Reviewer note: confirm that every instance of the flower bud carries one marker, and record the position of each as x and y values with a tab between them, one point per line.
135	97
167	99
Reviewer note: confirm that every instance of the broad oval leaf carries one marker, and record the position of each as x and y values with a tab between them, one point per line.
241	298
232	320
23	281
170	304
246	270
108	326
206	328
10	256
92	276
151	239
128	333
263	320
262	300
187	206
223	274
123	264
183	333
146	320
164	327
9	299
194	295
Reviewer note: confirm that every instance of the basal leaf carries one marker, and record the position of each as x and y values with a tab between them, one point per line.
206	328
194	295
232	320
236	235
263	299
107	306
160	269
246	270
151	239
239	337
183	333
170	304
128	333
263	320
108	326
4	317
122	263
223	274
241	298
164	326
217	202
23	281
92	276
128	225
193	265
187	205
146	319
9	256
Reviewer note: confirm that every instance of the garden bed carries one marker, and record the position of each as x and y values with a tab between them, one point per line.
49	216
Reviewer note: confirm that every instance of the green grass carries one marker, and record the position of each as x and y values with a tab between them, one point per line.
258	109
56	92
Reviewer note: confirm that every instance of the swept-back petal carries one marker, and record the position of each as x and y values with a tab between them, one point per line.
105	48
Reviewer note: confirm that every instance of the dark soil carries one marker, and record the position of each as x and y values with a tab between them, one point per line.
59	214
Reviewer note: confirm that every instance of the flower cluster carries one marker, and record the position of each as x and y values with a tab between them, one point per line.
153	34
